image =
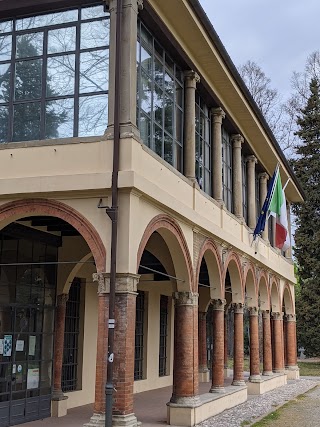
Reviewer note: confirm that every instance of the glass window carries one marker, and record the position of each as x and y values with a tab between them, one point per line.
139	337
159	99
163	342
203	145
60	64
227	169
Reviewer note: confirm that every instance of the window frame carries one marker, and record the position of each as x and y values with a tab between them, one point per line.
203	136
227	169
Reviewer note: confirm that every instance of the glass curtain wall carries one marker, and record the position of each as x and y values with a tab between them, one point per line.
160	96
54	75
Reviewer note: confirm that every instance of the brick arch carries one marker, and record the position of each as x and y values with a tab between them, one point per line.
289	305
249	268
209	247
12	211
233	258
167	223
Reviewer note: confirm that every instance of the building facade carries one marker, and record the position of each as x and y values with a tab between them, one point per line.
195	159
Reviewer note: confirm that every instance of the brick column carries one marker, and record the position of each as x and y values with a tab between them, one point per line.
238	349
202	339
124	342
291	342
237	141
263	183
252	207
267	346
254	345
185	368
278	342
191	80
284	338
218	346
217	117
225	340
60	318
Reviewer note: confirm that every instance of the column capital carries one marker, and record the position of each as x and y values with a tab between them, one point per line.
251	160
237	140
277	316
253	311
218	304
186	298
290	317
218	115
62	300
135	4
263	176
125	282
266	314
238	307
191	78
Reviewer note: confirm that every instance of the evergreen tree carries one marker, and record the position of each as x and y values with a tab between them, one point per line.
307	237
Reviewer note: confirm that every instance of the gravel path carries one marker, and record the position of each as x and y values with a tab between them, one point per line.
258	406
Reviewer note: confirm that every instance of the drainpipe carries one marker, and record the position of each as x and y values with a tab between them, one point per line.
113	215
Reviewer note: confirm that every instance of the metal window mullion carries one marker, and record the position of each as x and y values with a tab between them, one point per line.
77	80
12	85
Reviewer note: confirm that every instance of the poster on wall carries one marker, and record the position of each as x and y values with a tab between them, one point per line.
19	345
7	345
33	378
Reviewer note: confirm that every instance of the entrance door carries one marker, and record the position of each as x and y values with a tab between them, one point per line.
26	338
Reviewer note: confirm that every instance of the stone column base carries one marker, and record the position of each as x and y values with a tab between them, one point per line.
204	376
238	383
255	378
267	373
292	372
98	420
217	389
59	407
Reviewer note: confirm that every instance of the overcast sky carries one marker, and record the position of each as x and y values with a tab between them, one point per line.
277	34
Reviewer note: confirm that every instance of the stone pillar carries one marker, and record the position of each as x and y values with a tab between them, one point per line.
124	339
251	179
263	183
217	117
218	346
59	406
203	363
278	342
191	80
291	342
237	141
128	71
185	369
267	346
238	349
254	345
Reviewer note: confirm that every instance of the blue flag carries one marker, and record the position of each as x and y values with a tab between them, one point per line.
264	211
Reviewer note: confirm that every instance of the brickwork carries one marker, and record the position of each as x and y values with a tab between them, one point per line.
278	365
185	370
102	351
291	341
124	345
254	344
225	340
238	359
267	349
59	346
218	345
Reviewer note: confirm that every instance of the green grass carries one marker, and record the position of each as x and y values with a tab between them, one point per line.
268	419
309	369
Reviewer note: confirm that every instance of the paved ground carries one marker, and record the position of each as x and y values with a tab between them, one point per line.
303	412
259	406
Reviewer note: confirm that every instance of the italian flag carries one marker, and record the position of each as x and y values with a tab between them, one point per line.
278	209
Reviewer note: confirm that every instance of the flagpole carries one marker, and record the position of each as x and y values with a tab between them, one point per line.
285	185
